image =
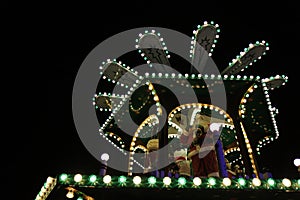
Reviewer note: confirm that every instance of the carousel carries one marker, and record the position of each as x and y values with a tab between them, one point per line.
181	127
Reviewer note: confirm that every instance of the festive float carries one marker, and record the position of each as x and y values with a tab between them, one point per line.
143	112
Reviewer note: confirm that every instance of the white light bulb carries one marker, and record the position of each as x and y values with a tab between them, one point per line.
105	157
297	162
256	182
286	182
50	179
78	178
137	180
70	194
107	179
197	181
226	181
167	180
215	127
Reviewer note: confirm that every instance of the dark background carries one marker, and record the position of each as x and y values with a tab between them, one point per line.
51	42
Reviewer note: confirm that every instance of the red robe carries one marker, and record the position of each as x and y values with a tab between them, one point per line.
202	153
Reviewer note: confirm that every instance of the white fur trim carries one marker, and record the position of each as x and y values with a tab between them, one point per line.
214	174
180	153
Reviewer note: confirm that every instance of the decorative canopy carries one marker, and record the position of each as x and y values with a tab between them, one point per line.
146	98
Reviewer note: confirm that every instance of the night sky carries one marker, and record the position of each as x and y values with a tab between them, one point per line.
61	40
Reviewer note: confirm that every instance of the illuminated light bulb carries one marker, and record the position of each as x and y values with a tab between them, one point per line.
63	177
151	180
79	198
43	189
107	179
159	110
167	180
181	181
78	178
105	157
150	87
137	180
122	179
256	182
226	181
241	181
271	182
197	181
286	182
297	162
49	180
212	181
70	194
215	127
92	178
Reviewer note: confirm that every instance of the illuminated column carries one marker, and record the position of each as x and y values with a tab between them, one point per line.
221	159
103	168
243	149
250	152
215	128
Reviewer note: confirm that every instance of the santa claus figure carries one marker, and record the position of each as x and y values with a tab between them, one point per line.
201	151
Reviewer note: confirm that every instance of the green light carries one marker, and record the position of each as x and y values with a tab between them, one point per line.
122	179
271	182
151	180
299	182
79	198
241	181
63	177
212	181
92	178
181	181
